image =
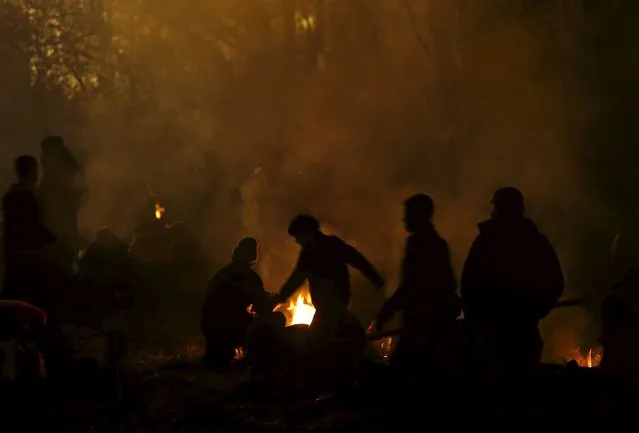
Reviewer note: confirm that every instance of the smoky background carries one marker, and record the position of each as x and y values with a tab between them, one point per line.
240	114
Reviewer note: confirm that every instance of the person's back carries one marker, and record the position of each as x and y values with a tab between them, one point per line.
323	262
327	260
226	318
511	280
228	299
512	272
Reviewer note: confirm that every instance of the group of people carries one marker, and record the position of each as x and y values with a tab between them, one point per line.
41	217
511	280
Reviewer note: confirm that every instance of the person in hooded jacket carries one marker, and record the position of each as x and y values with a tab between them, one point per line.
235	293
511	280
426	295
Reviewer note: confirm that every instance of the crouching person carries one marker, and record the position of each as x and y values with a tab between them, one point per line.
235	294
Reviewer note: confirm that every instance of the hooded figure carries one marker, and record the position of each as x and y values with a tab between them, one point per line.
511	280
235	293
63	192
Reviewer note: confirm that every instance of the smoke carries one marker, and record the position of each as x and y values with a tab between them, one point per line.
238	124
482	109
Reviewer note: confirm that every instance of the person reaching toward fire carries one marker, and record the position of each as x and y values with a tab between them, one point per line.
227	314
323	262
426	295
511	280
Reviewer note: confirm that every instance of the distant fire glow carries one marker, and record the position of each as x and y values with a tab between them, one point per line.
159	211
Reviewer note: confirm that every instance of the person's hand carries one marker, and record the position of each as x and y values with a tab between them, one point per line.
278	301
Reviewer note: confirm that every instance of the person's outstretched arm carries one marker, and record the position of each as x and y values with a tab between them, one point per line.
361	263
294	282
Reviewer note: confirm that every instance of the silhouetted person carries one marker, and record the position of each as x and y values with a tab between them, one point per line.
63	192
620	329
186	253
426	296
323	262
226	317
24	237
511	280
107	264
150	244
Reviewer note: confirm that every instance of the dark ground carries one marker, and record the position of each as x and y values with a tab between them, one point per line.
161	388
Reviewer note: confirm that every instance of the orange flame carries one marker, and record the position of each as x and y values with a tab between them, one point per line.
302	310
239	354
159	211
590	359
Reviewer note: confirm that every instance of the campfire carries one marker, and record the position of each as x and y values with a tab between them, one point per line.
385	347
159	211
589	358
239	354
301	309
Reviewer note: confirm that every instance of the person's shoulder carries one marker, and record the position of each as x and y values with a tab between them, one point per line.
335	242
253	276
440	243
220	273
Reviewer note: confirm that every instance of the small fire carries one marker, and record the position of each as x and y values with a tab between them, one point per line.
159	211
239	354
302	310
590	359
385	347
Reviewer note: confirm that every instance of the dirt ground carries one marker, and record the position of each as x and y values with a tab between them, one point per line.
160	387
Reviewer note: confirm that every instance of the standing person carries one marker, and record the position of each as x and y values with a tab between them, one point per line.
323	261
620	330
426	296
63	192
510	282
24	237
